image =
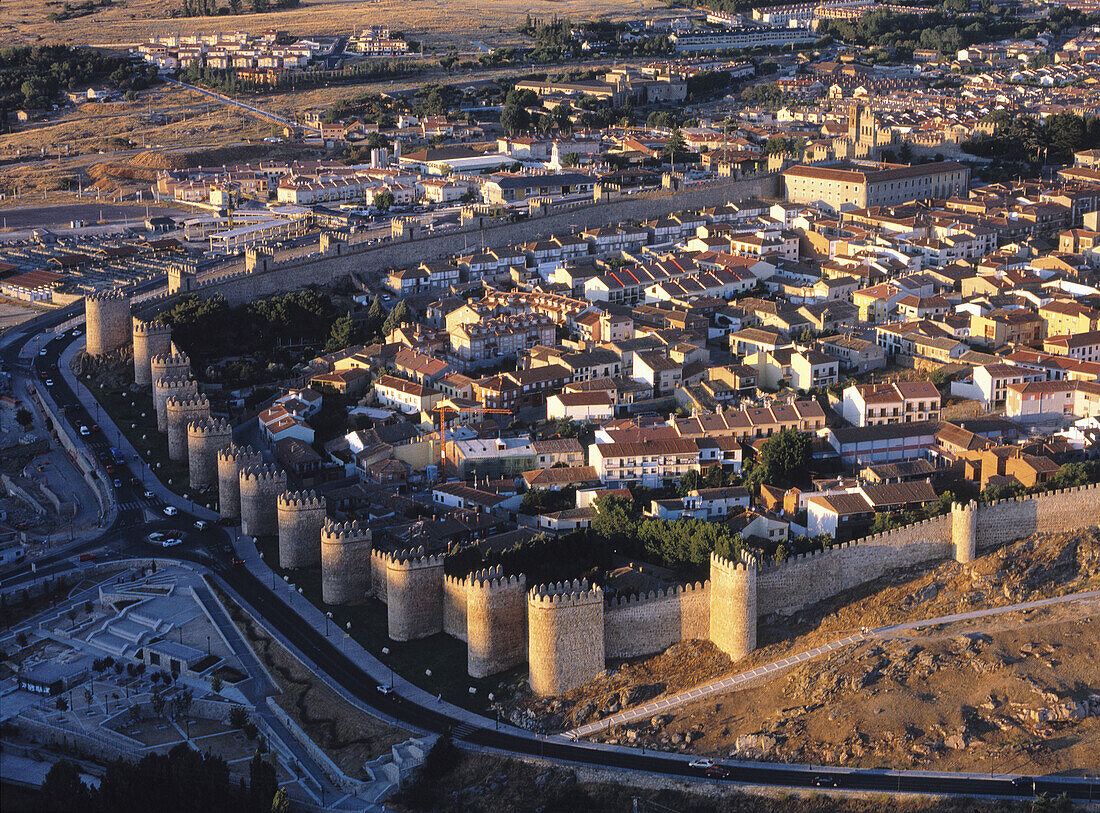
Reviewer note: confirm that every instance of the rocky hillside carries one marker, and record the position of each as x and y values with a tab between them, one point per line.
924	696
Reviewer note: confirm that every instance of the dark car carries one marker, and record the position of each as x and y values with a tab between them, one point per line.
718	772
825	782
238	561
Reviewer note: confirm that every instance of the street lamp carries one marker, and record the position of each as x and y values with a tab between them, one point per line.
389	664
328	617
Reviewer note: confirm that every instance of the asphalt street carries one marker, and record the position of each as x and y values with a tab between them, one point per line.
127	538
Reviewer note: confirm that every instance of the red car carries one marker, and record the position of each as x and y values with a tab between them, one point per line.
718	772
87	557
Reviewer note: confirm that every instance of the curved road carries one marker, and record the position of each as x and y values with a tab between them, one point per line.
210	548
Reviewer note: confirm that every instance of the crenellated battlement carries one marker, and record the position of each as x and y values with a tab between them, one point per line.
493	579
412	558
339	533
234	453
574	592
150	328
301	500
676	591
167	386
748	562
261	473
170	360
213	427
106	296
183	402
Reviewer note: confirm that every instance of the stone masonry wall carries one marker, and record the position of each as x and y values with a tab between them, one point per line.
454	607
804	580
643	625
323	269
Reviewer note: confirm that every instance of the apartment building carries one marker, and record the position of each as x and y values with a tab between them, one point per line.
405	396
489	341
896	402
652	463
850	185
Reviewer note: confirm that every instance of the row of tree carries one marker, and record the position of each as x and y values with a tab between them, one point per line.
180	781
210	8
1025	139
34	77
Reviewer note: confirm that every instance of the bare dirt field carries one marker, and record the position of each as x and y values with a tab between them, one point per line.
1020	690
434	22
349	736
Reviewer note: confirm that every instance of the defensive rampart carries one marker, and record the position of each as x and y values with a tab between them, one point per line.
266	276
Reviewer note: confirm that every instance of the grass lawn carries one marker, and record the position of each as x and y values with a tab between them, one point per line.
442	655
133	412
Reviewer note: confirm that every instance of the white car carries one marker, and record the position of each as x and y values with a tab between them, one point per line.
703	763
85	431
42	352
49	382
170	510
147	494
200	524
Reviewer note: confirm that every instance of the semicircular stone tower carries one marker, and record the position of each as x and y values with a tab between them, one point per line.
150	339
166	388
178	411
106	322
565	644
261	486
231	461
414	594
496	622
301	518
733	605
205	438
345	562
169	365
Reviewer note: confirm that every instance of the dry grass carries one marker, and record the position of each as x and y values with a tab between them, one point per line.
348	735
433	22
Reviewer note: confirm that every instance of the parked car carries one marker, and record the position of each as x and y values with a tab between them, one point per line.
702	763
170	510
200	524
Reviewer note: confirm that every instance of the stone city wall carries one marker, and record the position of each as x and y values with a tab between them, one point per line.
650	623
266	275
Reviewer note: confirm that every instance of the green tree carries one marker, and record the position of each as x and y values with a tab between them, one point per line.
63	790
262	782
376	317
215	684
400	315
24	418
280	802
614	519
783	460
675	146
342	335
383	200
513	119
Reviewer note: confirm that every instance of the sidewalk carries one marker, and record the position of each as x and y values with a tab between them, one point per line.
379	672
166	495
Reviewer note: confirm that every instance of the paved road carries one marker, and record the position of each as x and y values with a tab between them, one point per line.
411	707
742	679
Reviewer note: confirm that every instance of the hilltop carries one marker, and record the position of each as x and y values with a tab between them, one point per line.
1019	688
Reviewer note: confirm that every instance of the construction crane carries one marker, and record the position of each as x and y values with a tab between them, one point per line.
449	409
